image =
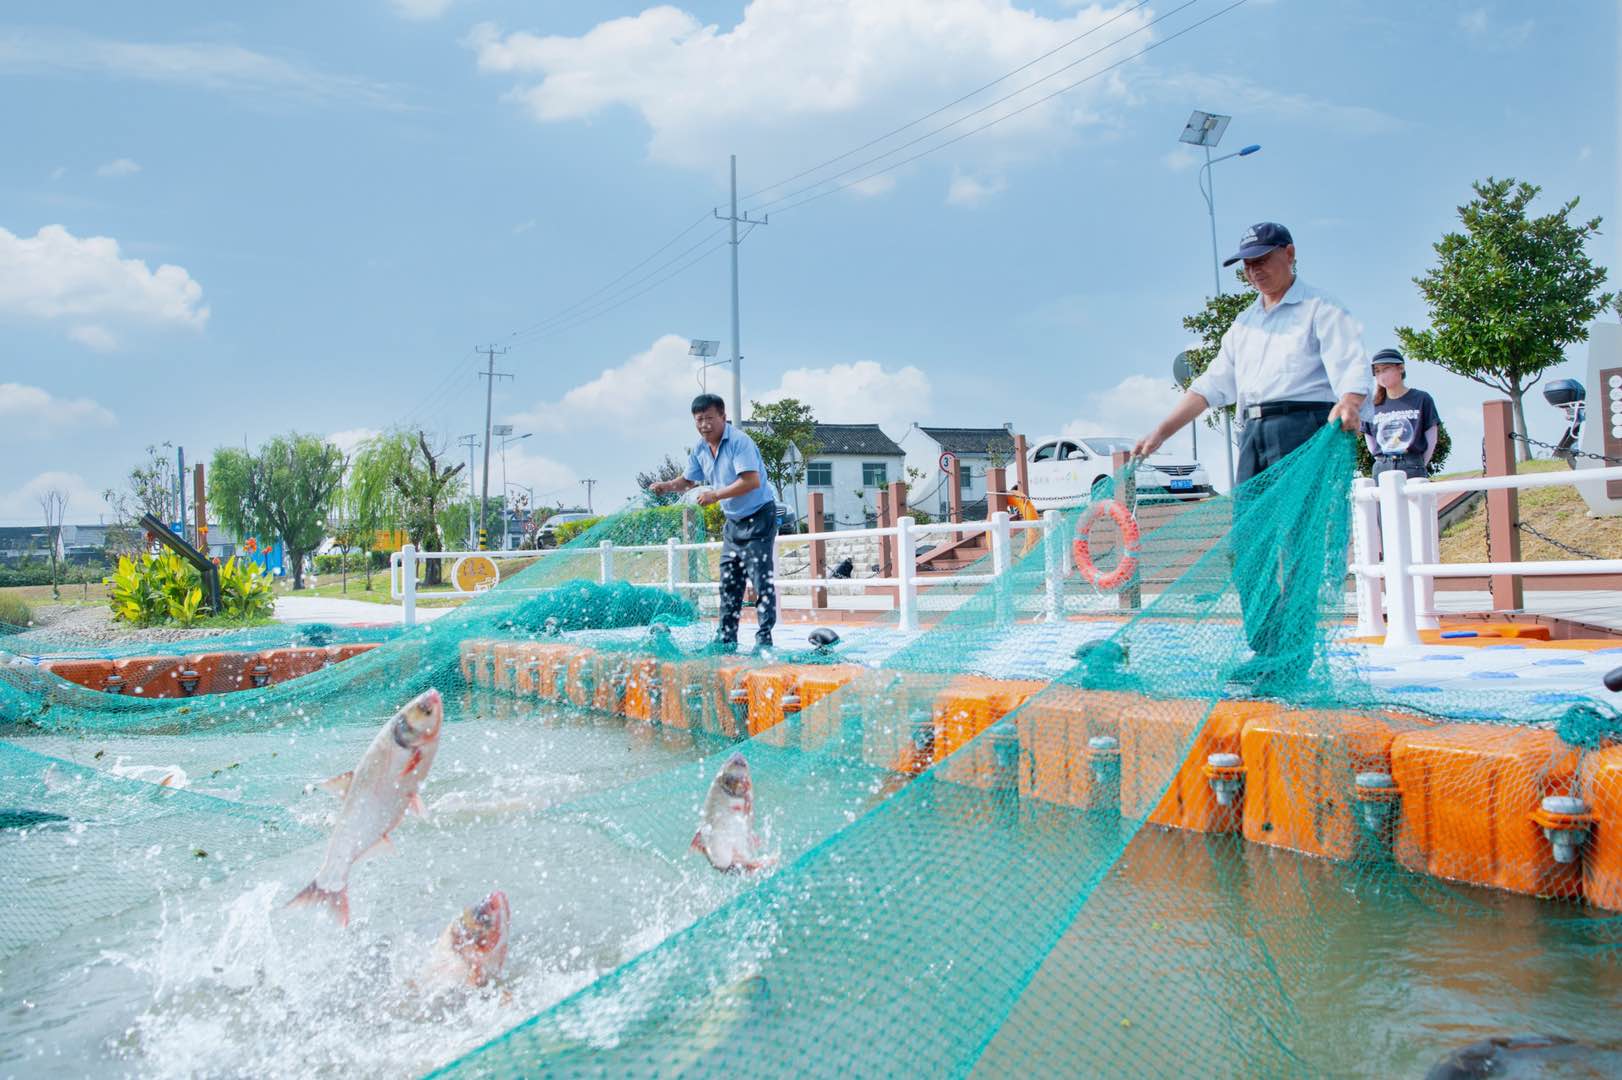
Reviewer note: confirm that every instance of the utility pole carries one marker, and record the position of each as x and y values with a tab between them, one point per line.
737	346
491	352
588	484
471	441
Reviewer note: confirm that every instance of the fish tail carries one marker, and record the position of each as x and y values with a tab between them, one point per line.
336	901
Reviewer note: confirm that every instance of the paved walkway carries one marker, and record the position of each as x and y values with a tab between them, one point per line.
342	612
1599	607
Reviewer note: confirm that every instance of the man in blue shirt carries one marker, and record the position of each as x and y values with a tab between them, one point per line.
728	464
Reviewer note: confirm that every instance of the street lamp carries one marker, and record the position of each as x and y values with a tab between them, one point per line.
705	350
1205	130
506	442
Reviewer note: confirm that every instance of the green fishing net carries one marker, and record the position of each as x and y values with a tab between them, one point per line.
1165	829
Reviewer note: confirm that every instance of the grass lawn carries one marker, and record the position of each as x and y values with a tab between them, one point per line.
1557	512
34	595
331	586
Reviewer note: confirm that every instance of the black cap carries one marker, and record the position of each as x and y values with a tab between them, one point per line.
1258	240
1387	356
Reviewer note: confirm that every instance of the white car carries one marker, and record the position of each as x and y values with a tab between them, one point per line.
1065	472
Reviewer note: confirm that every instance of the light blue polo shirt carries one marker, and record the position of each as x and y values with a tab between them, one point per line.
736	454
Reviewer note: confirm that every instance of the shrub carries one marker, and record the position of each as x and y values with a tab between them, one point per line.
14	615
153	589
569	530
245	591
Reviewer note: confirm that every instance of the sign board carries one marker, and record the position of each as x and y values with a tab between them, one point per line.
948	459
474	573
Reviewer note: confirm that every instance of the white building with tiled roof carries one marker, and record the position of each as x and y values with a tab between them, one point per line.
853	464
976	449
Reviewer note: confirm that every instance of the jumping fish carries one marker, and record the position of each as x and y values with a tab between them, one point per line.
473	947
376	795
726	836
18	817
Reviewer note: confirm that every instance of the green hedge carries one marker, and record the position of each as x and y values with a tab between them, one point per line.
334	563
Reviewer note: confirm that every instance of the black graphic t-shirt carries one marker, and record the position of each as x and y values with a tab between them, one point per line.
1399	424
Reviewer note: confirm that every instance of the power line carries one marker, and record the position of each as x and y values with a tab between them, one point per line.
991	105
951	104
615	281
1008	116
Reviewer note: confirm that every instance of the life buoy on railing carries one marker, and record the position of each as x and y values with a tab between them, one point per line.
1021	509
1128	566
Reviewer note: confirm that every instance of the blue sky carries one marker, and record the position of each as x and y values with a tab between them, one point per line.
308	216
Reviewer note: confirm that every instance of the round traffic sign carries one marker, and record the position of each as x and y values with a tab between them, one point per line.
948	459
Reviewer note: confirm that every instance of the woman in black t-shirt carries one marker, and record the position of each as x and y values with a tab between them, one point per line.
1399	423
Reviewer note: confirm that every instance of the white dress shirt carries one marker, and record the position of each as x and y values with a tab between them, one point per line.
1306	348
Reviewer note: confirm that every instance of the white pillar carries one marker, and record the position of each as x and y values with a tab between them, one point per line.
1401	628
1426	536
906	560
1001	561
1365	543
605	556
1053	557
408	585
672	564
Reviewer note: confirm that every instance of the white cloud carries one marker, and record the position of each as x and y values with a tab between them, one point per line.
31	411
872	186
420	9
553	482
1130	407
652	388
792	81
972	190
207	65
56	275
1181	159
1239	95
20	506
59	172
1479	24
1585	153
349	439
858	393
523	227
121	167
91	336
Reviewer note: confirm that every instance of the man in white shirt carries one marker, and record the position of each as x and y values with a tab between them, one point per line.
1292	362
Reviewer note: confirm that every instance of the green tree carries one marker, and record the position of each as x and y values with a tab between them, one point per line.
1209	324
787	438
149	488
285	490
422	487
372	504
1509	293
668	469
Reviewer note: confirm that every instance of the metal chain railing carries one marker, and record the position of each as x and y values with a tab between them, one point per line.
1557	451
1567	548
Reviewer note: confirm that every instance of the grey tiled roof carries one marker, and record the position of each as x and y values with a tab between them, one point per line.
973	440
849	439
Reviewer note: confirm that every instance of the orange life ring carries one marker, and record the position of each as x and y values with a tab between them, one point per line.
1128	566
1021	509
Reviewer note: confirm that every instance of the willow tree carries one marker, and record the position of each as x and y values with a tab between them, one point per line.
403	468
285	490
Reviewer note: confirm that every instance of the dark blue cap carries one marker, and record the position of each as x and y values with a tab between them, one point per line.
1388	356
1258	240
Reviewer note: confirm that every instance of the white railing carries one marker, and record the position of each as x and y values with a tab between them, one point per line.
905	580
1397	519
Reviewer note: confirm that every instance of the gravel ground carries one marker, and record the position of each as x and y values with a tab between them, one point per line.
56	625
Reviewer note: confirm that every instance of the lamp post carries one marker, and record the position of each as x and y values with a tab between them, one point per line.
506	442
1205	130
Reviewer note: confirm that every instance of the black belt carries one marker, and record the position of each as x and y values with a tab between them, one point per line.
1280	408
1397	457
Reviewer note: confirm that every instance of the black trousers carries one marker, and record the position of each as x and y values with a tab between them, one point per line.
746	554
1261	566
1412	465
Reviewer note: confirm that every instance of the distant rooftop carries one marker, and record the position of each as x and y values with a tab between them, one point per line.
972	440
851	439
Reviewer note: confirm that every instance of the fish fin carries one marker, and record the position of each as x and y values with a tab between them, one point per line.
414	804
384	846
412	762
698	843
338	785
336	902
